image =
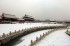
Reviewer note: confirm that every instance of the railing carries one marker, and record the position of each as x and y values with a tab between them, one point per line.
38	39
7	37
67	32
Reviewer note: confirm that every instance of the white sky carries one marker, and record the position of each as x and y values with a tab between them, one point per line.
39	9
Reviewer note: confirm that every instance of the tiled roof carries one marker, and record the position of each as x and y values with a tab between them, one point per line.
27	16
9	16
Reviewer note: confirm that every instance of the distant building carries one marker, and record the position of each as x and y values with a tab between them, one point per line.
28	18
53	22
8	17
0	19
21	20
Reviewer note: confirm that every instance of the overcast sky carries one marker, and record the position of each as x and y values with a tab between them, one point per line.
39	9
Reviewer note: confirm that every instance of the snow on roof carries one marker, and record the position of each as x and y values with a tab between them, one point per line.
27	16
9	15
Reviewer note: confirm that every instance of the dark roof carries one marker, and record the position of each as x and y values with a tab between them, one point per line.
9	16
27	16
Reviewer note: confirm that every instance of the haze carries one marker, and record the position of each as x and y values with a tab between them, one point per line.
39	9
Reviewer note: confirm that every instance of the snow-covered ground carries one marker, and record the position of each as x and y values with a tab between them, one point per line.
57	38
26	40
6	28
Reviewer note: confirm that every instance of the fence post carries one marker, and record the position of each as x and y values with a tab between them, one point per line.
31	44
36	39
10	33
67	28
15	31
3	35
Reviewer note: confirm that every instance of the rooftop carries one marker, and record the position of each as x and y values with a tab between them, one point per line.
8	15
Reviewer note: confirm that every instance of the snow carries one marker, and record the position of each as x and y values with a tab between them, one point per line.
57	38
26	40
6	28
